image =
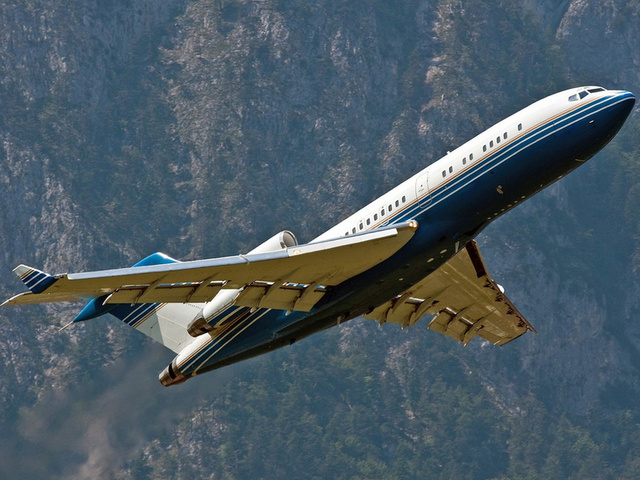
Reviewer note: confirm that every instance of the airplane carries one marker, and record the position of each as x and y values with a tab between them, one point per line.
407	254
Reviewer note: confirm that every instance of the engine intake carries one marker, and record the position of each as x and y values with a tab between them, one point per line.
279	241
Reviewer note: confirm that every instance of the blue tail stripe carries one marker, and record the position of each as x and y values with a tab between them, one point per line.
133	314
38	281
129	314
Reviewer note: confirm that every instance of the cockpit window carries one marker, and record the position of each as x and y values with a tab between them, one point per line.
583	93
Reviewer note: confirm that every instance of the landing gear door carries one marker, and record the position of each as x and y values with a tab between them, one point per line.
422	189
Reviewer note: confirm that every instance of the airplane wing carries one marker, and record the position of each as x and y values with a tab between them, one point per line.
464	299
294	278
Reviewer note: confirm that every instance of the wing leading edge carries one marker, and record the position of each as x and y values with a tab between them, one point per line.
465	301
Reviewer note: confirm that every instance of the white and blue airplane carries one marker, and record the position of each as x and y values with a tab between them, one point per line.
407	254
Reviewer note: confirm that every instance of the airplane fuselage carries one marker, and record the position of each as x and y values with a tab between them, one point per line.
452	200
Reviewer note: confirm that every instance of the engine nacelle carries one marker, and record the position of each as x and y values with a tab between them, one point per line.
171	375
223	300
227	296
279	241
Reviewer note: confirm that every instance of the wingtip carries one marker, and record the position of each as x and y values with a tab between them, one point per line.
16	299
22	270
36	280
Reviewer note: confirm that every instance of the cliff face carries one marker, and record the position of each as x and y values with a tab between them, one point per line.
203	127
62	64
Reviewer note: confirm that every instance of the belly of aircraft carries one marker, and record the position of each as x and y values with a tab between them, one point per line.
445	226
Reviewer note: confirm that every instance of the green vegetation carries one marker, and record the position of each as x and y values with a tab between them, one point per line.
202	129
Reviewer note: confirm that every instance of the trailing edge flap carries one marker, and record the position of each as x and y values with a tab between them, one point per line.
464	299
290	279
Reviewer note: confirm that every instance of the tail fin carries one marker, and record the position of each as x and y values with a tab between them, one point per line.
165	323
157	258
35	280
97	307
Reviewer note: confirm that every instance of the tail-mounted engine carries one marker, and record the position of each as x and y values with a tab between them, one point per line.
279	241
222	301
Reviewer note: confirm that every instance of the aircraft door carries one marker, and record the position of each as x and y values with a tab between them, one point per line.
422	189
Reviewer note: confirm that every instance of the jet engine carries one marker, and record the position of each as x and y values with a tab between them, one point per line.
227	296
279	241
223	300
171	375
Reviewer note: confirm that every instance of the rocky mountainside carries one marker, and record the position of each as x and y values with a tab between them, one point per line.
201	127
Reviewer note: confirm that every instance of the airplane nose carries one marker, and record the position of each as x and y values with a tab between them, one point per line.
620	105
627	101
605	123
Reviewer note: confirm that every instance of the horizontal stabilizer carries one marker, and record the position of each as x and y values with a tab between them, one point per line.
93	309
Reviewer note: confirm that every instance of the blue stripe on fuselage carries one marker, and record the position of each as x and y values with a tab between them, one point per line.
237	323
507	151
133	315
445	198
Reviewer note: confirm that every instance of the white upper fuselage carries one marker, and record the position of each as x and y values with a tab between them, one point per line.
281	292
416	190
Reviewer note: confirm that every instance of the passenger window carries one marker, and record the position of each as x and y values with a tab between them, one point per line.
484	148
464	161
361	226
375	217
519	126
397	203
498	140
382	212
491	144
444	173
390	208
505	135
354	230
470	156
404	199
368	221
450	169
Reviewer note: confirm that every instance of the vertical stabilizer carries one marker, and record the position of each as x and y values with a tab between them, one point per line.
165	323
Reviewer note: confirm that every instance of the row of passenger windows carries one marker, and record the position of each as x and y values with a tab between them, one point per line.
389	209
484	149
383	212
